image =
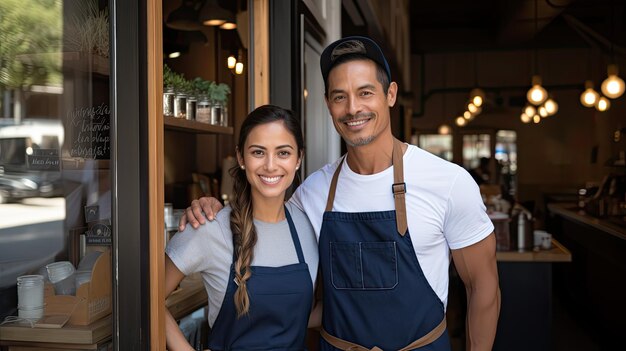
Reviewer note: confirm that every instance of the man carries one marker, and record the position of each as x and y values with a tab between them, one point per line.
385	286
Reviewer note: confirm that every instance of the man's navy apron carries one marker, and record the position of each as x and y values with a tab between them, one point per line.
280	304
375	293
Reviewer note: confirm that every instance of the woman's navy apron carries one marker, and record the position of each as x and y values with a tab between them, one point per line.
280	304
375	293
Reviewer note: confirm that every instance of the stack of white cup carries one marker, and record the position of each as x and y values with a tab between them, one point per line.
30	296
61	274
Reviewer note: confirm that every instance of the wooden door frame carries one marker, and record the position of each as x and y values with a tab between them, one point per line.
154	38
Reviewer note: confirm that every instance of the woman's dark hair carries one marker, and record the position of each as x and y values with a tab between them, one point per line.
241	217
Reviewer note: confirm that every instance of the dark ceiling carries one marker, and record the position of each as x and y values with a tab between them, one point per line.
462	25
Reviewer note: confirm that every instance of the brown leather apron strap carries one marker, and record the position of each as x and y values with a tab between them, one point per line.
333	187
399	187
421	342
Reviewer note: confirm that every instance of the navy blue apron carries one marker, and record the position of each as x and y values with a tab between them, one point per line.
375	293
280	304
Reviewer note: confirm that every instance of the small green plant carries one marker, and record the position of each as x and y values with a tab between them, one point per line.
168	77
220	93
204	87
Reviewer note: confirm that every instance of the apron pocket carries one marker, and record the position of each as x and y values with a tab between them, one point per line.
363	265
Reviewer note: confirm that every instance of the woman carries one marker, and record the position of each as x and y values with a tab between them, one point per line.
258	270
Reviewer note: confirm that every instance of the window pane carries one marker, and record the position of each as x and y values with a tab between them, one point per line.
55	179
437	144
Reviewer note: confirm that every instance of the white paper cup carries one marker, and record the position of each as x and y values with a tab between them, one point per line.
58	271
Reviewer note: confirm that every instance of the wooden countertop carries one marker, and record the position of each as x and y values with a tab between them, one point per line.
558	253
183	301
568	210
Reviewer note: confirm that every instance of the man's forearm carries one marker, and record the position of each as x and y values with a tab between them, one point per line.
483	309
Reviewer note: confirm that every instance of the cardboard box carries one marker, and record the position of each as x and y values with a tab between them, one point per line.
93	300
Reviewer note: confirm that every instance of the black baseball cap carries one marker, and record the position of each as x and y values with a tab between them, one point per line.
352	45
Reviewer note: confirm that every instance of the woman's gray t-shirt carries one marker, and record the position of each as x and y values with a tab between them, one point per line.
209	250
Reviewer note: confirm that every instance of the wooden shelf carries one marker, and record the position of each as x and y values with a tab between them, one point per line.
190	126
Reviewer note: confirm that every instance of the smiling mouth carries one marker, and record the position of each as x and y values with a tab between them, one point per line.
270	180
356	123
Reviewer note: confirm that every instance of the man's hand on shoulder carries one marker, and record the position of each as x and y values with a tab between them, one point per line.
195	214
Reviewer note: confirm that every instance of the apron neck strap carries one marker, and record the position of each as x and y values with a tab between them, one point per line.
398	188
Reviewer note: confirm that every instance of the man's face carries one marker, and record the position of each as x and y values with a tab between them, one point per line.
357	103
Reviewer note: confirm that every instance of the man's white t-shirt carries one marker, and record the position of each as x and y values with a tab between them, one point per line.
444	207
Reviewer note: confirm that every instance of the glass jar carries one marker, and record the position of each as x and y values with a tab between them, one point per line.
180	105
203	109
30	296
168	101
191	107
224	120
216	113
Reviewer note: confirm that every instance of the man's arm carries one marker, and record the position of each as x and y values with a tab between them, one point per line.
193	214
476	265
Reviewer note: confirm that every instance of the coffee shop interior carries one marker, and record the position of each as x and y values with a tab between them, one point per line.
527	95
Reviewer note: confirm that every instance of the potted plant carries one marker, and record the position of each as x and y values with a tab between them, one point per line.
220	99
168	91
204	91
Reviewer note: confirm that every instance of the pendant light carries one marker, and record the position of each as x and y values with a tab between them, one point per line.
602	104
525	118
613	85
212	14
184	17
589	97
551	106
536	95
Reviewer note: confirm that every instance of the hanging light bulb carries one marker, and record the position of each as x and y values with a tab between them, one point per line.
603	104
525	118
530	110
239	67
551	106
231	61
472	108
467	115
477	96
536	94
536	119
589	97
444	129
613	85
542	111
460	121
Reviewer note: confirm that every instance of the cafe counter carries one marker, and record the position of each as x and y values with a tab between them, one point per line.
593	286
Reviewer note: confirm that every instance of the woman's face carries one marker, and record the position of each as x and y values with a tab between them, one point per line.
270	156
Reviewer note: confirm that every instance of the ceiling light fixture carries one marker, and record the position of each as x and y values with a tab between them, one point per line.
602	104
444	129
525	118
551	106
212	14
613	85
589	97
231	61
536	95
184	18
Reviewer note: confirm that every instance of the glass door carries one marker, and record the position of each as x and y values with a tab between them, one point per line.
63	121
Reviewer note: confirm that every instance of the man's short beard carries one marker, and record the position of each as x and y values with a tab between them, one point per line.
359	141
